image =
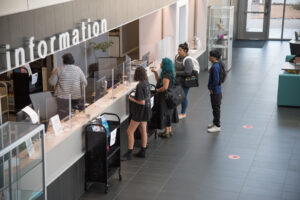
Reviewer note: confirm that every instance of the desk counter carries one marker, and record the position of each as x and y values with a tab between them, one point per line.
64	150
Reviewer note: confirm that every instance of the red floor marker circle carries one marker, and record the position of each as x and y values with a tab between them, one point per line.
247	126
234	157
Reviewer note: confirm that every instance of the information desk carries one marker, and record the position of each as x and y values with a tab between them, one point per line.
64	150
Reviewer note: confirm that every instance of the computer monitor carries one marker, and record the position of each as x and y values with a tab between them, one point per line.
45	104
127	58
146	57
100	88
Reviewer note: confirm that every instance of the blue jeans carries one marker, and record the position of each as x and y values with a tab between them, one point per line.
184	104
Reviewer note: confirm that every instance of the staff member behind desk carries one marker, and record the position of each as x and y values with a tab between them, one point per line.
67	79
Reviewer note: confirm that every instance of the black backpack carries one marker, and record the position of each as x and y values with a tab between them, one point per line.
222	72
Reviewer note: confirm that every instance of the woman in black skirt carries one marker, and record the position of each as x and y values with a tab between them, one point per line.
140	113
163	116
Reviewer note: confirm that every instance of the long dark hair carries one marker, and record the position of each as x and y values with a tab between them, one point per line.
140	74
184	46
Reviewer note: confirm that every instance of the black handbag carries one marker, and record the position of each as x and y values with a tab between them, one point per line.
174	96
192	80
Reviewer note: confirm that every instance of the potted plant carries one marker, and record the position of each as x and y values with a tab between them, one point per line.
102	45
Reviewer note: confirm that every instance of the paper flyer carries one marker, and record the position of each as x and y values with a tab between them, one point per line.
113	136
57	128
29	147
32	114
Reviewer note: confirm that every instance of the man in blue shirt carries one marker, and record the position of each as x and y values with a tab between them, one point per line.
214	86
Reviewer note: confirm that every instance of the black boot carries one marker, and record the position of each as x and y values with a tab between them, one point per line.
141	153
127	155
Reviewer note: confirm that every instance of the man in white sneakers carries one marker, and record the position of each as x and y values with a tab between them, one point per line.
215	89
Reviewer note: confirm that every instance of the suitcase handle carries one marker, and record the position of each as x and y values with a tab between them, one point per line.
112	114
93	124
152	85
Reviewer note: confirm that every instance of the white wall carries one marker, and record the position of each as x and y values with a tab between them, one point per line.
219	2
169	29
15	6
202	22
191	20
150	33
183	24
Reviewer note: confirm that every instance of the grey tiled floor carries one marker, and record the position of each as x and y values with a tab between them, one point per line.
194	164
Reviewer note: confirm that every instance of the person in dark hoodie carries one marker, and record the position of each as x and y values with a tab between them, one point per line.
215	89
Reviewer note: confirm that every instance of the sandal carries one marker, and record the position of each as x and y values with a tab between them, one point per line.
164	135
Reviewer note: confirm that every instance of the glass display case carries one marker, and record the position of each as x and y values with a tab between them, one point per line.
220	32
22	163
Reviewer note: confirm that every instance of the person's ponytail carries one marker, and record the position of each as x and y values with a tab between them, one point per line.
184	46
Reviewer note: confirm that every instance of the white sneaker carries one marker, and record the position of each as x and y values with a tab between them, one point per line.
214	129
181	116
210	125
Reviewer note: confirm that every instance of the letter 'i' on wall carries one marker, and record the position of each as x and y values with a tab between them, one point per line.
31	46
93	29
8	61
89	29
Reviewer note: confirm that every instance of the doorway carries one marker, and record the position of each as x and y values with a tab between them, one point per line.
284	19
254	19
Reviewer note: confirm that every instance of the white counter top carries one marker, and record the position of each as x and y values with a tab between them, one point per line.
196	53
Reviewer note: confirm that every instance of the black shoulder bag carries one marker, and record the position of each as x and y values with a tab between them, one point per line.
174	96
192	80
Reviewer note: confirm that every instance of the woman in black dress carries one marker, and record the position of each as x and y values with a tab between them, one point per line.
140	113
163	115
